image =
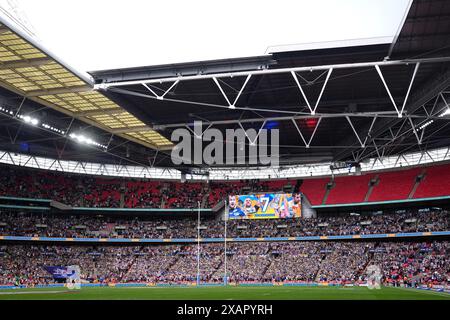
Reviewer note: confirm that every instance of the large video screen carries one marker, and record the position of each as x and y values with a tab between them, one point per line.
265	206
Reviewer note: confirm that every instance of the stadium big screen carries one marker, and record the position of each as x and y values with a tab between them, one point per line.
265	206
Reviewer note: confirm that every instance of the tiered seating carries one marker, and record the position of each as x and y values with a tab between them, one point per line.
91	191
436	182
58	225
349	189
402	263
220	190
182	195
394	185
143	194
314	189
270	186
104	193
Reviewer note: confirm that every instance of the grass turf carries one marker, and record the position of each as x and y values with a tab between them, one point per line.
221	293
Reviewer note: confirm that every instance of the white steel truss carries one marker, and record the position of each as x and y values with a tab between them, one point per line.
368	135
90	168
307	144
273	71
294	71
253	141
232	105
300	171
160	97
399	111
313	110
417	129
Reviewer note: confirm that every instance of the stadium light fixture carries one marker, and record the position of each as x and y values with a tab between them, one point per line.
445	113
51	128
426	124
6	110
33	121
29	120
429	122
86	140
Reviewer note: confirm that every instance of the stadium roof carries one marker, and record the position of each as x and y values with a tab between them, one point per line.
346	100
27	68
332	102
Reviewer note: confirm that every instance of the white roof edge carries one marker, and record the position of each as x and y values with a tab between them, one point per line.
399	29
330	44
32	39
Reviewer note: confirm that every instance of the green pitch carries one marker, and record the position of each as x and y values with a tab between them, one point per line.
221	293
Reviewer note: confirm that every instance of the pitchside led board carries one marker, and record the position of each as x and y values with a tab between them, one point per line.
265	206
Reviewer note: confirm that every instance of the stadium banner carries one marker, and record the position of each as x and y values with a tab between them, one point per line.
59	272
265	206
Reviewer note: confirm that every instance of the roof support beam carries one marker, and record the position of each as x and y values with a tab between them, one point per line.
242	89
426	94
198	124
161	97
99	112
355	132
313	111
245	108
412	128
220	106
252	142
231	105
307	144
399	111
410	86
25	63
74	89
373	115
369	133
223	93
419	141
387	89
130	130
274	71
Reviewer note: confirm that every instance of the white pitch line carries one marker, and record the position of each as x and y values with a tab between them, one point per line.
444	294
31	292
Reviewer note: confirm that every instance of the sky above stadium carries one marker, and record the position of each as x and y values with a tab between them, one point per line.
105	34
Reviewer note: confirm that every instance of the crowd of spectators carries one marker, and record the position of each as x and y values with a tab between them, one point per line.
74	190
345	262
413	263
101	192
78	190
85	226
401	263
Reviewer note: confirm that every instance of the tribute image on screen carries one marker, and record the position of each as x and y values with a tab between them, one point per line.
265	206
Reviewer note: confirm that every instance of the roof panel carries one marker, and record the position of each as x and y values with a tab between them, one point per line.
52	75
6	58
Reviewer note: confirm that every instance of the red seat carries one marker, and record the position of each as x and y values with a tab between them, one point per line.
395	185
436	182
